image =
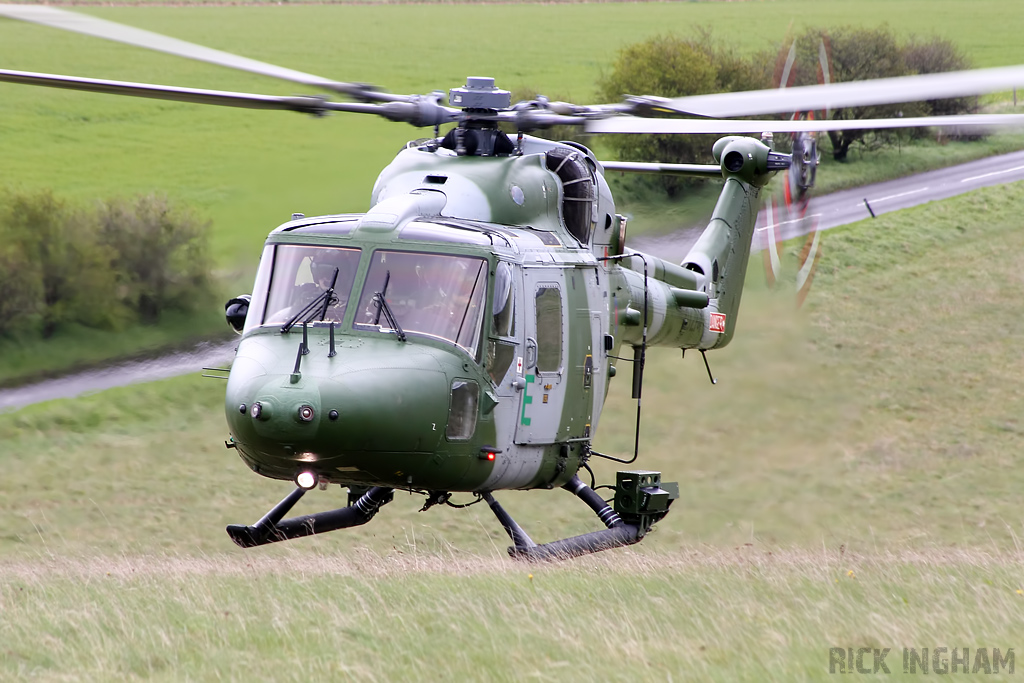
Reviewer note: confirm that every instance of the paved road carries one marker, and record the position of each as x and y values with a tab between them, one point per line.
832	210
848	206
205	354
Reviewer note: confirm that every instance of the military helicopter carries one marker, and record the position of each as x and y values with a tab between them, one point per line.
461	334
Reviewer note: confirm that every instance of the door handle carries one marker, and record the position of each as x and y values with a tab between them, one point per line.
531	352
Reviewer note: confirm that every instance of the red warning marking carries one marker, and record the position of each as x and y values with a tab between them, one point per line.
717	322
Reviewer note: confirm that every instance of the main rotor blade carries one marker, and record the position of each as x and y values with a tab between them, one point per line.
692	170
100	28
309	105
418	112
834	95
635	125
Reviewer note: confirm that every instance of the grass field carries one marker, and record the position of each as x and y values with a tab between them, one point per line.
249	171
852	481
697	615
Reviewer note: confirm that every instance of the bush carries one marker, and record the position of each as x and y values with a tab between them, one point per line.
60	273
669	66
20	290
126	261
857	54
160	254
939	55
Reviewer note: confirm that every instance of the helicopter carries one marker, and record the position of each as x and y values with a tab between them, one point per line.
460	335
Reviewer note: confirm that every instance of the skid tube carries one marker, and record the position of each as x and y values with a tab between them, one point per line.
271	528
618	533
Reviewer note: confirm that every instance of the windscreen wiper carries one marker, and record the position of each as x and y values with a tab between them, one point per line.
326	299
383	306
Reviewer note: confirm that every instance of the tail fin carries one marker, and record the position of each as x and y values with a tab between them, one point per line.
721	253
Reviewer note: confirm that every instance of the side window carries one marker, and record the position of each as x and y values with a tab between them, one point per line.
549	328
503	321
501	352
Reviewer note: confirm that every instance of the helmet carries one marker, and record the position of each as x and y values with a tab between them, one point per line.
323	263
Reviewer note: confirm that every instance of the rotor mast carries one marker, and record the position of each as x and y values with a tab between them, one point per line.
477	133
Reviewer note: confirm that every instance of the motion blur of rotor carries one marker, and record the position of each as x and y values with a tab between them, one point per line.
787	217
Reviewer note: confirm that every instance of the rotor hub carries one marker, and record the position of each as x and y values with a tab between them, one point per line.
480	93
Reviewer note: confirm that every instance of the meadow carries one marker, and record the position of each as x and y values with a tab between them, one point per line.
248	171
851	481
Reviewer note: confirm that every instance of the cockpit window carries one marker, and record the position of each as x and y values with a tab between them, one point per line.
434	295
302	273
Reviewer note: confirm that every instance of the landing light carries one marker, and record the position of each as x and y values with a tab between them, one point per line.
306	480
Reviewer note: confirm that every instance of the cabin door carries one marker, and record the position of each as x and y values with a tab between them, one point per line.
542	387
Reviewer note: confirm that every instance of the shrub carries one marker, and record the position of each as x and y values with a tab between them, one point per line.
669	66
60	273
124	260
864	53
20	289
938	55
160	254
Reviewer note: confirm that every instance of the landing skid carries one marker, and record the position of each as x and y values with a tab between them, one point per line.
641	499
271	528
619	533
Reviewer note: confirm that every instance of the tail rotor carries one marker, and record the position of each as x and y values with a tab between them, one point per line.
787	215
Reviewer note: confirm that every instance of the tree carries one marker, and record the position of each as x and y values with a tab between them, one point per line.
855	54
160	254
58	264
939	55
61	264
669	66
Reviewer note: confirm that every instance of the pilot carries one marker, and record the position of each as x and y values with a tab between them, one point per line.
323	264
443	295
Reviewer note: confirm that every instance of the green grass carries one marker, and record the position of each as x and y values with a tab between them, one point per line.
700	615
405	34
875	431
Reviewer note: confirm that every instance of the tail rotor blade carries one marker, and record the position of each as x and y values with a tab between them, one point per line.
809	256
772	246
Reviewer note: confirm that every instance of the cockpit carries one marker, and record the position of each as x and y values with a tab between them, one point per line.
430	295
434	295
300	274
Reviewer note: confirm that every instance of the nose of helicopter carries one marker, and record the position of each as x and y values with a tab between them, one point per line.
337	412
